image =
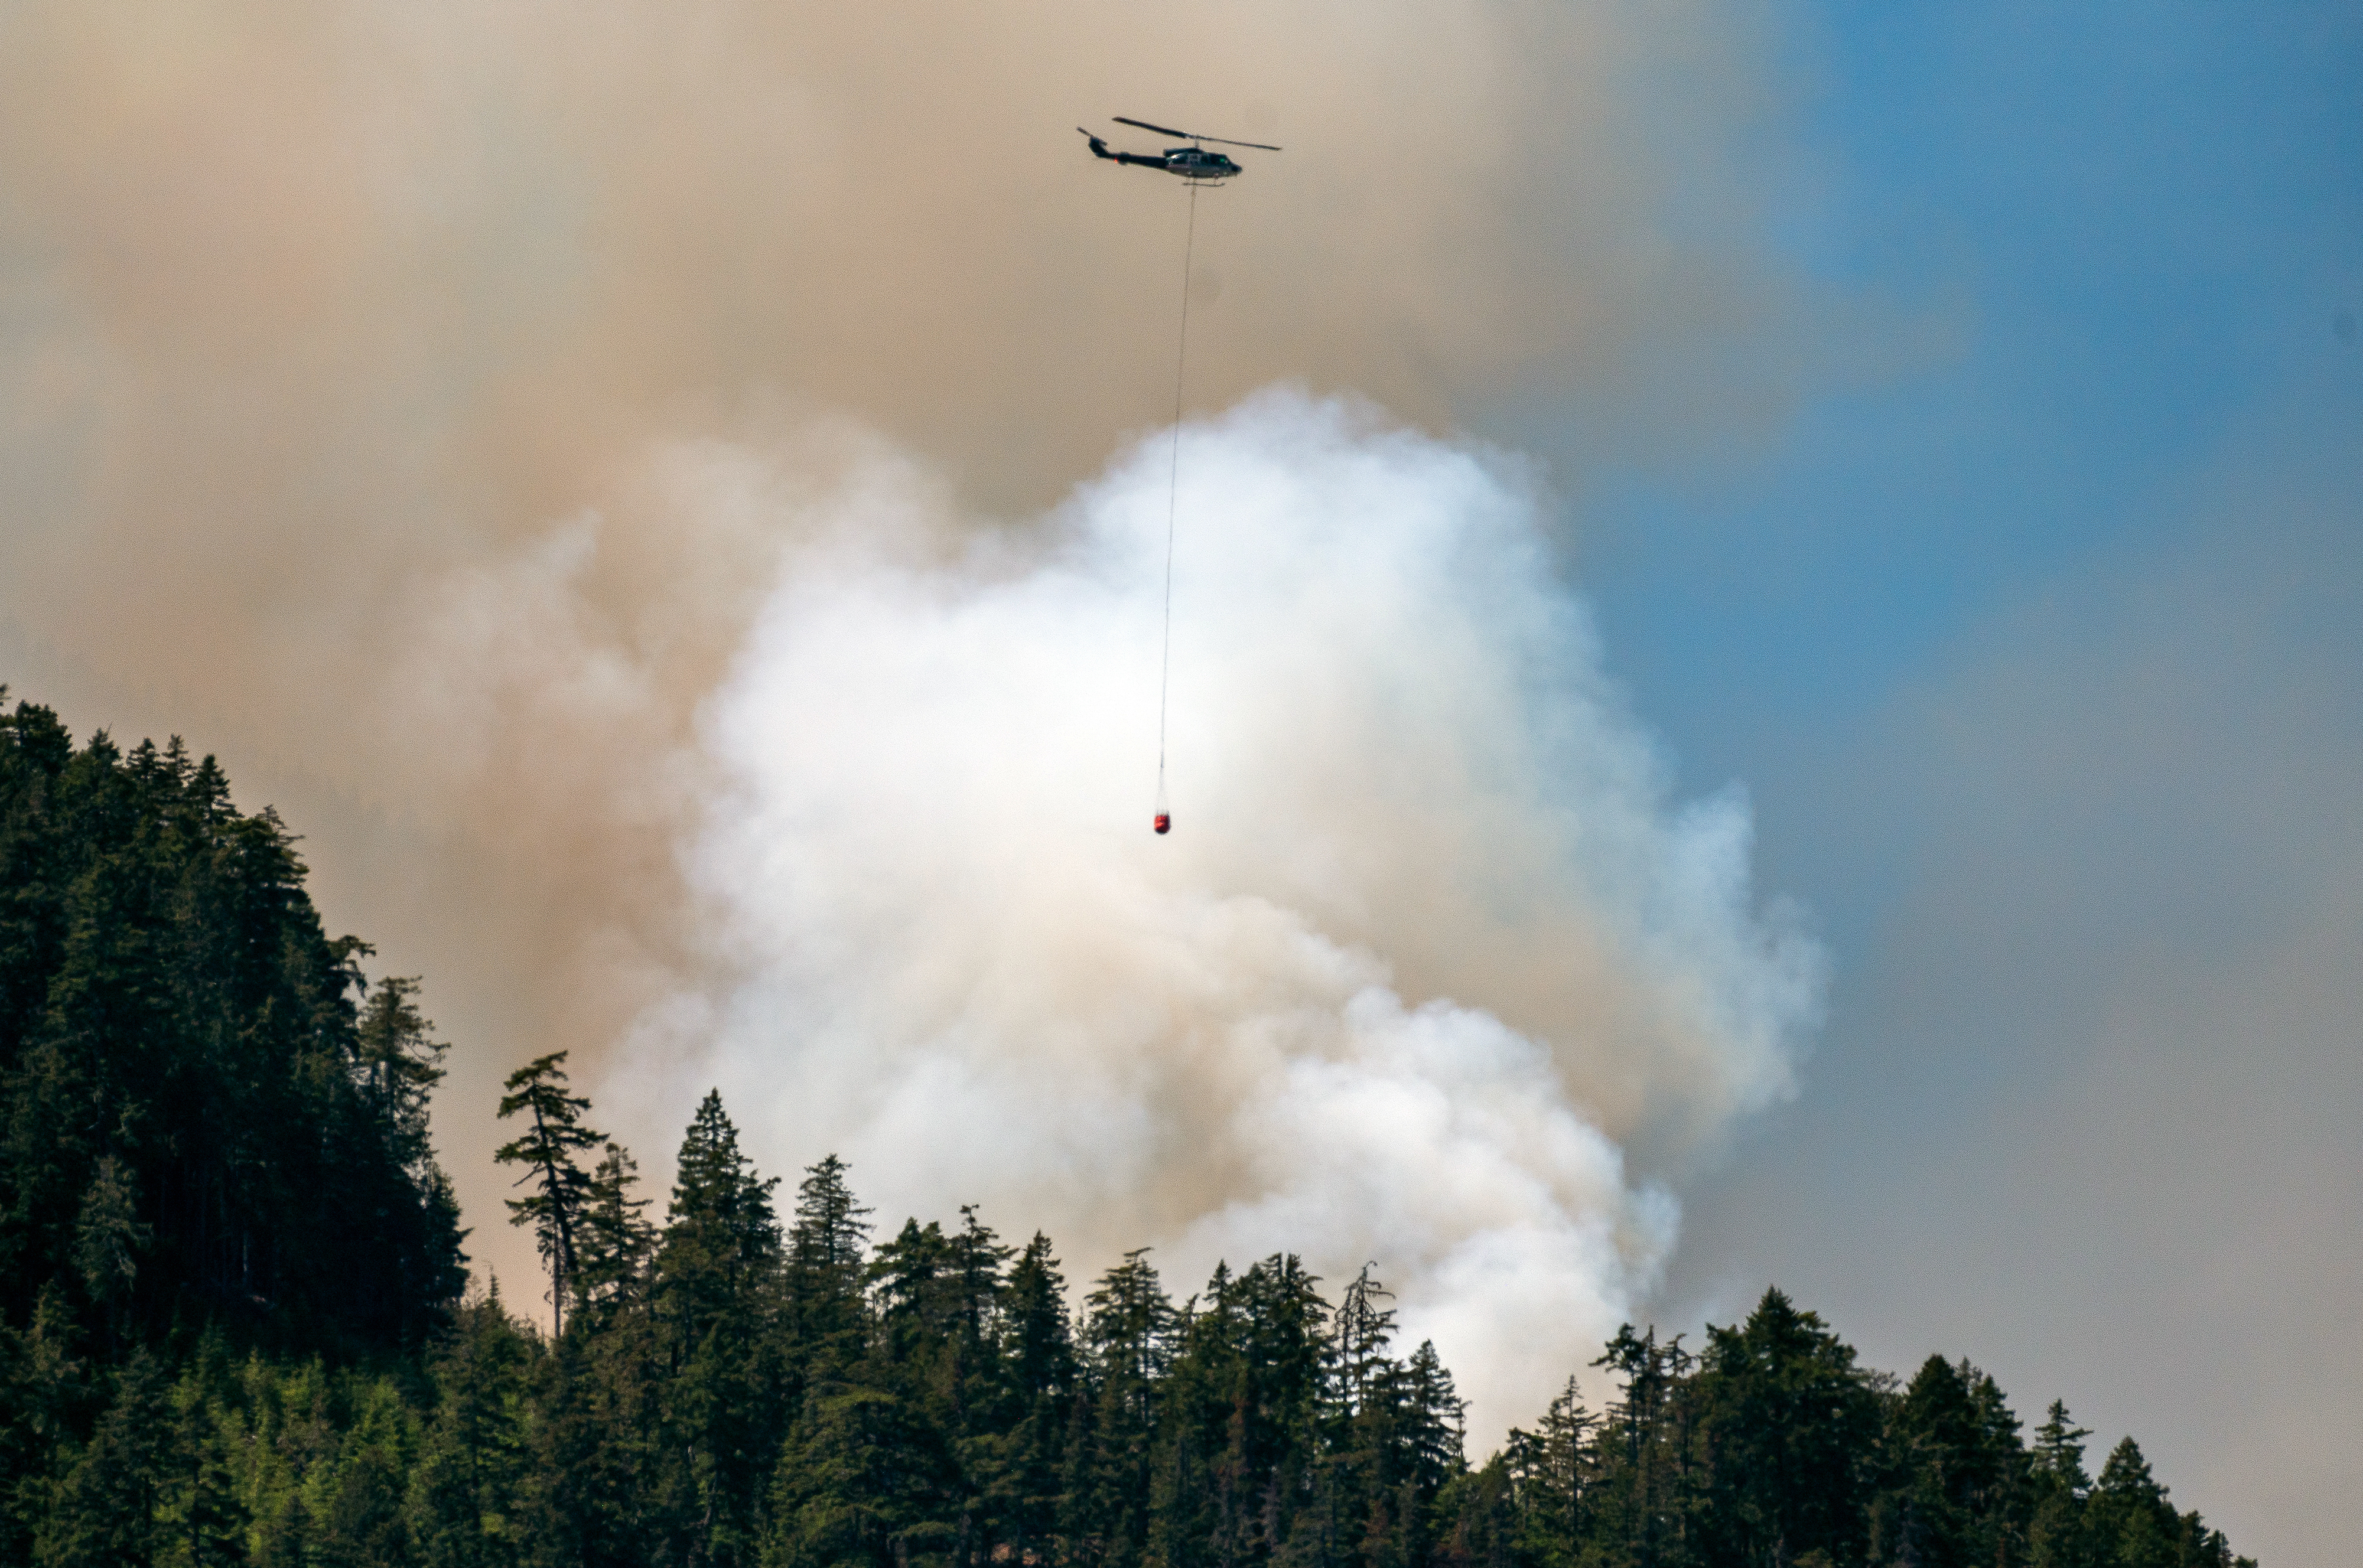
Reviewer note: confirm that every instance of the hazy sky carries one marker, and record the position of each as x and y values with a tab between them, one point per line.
2045	666
1949	418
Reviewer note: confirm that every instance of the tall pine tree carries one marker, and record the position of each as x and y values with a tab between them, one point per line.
553	1136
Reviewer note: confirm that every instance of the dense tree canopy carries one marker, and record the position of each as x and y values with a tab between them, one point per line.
212	1116
232	1328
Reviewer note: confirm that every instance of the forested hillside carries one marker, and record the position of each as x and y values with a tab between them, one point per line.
235	1329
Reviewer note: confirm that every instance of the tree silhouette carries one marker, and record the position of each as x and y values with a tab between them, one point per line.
546	1149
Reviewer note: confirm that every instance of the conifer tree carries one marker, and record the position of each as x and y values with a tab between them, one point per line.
1128	1333
546	1149
363	1526
616	1243
104	1510
1549	1472
825	1251
973	1396
1432	1414
2128	1515
2057	1532
1363	1329
978	1259
914	1287
1041	1370
1957	1486
468	1493
2060	1452
865	1479
1042	1351
717	1300
1789	1421
1202	1505
1273	1372
108	1239
201	1517
44	1400
598	1439
1644	1499
399	1062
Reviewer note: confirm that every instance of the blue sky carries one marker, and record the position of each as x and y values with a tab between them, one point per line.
2135	227
2041	653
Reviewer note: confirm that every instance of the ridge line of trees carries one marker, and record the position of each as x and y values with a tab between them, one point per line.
234	1325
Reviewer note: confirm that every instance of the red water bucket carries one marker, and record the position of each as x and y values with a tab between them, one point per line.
1164	821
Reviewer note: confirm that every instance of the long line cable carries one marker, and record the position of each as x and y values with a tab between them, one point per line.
1174	495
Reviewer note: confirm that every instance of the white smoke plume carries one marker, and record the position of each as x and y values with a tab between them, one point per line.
339	336
1428	949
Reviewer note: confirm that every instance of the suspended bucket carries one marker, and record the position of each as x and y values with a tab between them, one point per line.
1164	821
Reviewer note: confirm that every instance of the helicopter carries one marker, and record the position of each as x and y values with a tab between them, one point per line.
1192	162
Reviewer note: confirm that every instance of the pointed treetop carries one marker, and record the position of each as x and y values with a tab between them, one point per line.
832	1228
546	1149
2059	1448
2128	1474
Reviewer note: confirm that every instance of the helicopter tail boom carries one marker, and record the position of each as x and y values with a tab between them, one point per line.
1100	149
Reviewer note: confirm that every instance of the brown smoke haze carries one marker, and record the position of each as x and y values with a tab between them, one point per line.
416	403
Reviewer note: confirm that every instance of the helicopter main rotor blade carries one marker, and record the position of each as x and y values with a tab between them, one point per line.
1160	130
1226	141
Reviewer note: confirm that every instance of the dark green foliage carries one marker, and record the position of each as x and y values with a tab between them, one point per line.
103	1512
597	1444
866	1479
469	1492
203	1518
1040	1379
2058	1533
2128	1516
1553	1470
719	1324
1786	1424
1960	1481
561	1192
615	1241
1650	1486
229	1330
1129	1328
824	1266
210	1116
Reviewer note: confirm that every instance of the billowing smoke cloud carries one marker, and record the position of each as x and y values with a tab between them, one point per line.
417	402
1426	945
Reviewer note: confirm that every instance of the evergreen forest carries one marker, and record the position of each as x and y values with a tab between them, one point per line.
237	1324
